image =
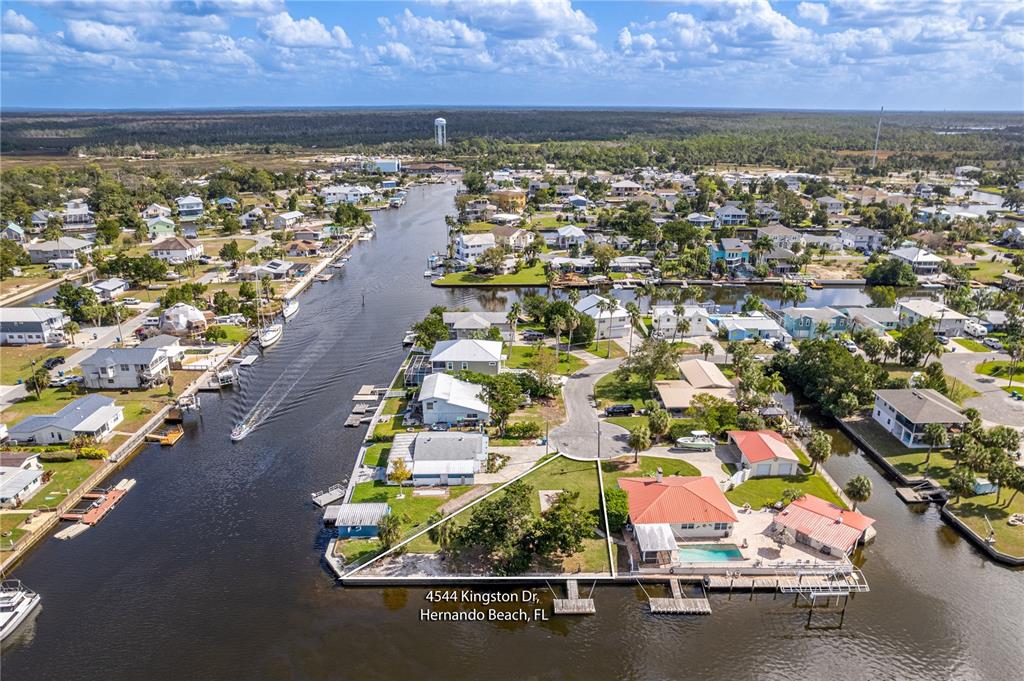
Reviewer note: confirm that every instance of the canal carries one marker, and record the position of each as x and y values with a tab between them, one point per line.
211	567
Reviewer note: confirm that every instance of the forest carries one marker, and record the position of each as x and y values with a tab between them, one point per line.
681	138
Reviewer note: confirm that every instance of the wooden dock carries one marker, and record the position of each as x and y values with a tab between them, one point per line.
93	515
329	495
678	605
367	393
573	604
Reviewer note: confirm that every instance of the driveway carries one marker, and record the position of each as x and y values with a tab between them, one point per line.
577	437
994	403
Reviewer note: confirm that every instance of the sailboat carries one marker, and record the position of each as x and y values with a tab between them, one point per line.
268	334
290	308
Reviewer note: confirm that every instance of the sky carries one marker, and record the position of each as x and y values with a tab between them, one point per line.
801	54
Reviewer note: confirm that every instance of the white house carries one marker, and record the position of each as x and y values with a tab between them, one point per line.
177	249
905	413
700	220
253	218
727	216
77	217
288	219
944	320
861	239
125	368
27	325
182	319
155	210
445	399
765	453
831	204
625	188
481	356
570	235
17	485
108	289
66	247
514	239
345	193
94	416
469	246
189	208
919	259
474	324
439	459
610	323
665	321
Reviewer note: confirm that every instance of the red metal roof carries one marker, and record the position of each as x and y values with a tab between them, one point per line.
762	445
676	499
824	522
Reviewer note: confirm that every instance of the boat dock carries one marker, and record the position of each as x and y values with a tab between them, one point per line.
103	504
678	604
367	393
329	495
573	604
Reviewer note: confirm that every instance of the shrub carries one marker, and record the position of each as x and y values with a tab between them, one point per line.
93	453
680	429
523	430
617	506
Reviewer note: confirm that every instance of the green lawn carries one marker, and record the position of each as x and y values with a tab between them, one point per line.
67	475
528	276
16	360
377	454
600	348
213	246
548	221
519	356
987	272
611	390
236	334
975	510
1000	369
970	344
8	523
648	468
479	227
760	492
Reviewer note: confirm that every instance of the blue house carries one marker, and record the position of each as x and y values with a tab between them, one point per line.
388	184
803	322
14	232
734	252
227	203
357	520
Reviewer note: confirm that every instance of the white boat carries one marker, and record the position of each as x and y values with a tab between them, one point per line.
290	308
428	273
698	441
17	602
240	431
270	335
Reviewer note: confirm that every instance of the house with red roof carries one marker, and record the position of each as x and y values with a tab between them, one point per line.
665	510
823	526
765	453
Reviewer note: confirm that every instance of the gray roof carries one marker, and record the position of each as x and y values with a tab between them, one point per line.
360	514
448	446
136	355
822	314
923	405
63	243
466	350
161	341
29	314
69	418
14	480
882	315
729	244
475	320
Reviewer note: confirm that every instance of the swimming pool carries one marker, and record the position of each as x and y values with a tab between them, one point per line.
708	553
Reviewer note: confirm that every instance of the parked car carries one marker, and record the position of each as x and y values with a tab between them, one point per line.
131	301
780	344
440	427
205	259
151	321
850	345
620	410
943	340
53	362
532	335
992	343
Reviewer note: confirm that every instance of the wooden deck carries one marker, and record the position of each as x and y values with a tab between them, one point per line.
678	605
97	513
573	604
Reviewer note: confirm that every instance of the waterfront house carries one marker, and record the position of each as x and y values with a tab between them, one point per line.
922	262
700	220
666	510
61	264
625	188
475	324
823	526
31	325
176	250
881	320
630	263
905	413
582	265
481	356
358	520
169	346
94	416
66	248
765	453
862	239
288	219
821	242
944	319
613	323
780	235
125	368
159	227
445	399
569	236
108	289
302	248
699	377
579	202
807	322
1011	281
13	232
831	204
17	485
509	200
469	246
665	321
733	252
514	239
780	260
439	459
182	319
190	208
314	233
155	210
756	325
478	209
272	269
730	216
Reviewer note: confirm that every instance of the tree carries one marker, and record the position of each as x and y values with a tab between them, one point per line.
230	252
934	436
873	346
1000	472
891	272
503	394
635	319
215	333
491	260
654	356
563	527
706	349
431	329
617	508
916	342
882	296
38	381
658	422
514	313
72	328
572	322
858	489
639	440
819	449
442	533
399	472
961	483
11	255
389	528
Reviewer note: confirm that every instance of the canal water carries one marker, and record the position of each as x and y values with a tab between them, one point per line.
211	567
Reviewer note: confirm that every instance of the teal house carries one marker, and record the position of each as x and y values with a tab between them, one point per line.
806	322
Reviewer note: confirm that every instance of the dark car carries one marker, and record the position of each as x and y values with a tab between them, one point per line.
532	335
993	344
53	362
620	410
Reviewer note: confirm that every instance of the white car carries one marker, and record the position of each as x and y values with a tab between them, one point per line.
131	301
850	345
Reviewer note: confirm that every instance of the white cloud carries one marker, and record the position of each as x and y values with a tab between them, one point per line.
813	11
19	43
93	36
521	19
17	23
281	29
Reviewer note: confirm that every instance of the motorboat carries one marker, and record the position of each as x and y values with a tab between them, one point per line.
290	308
17	602
697	441
428	273
270	335
240	431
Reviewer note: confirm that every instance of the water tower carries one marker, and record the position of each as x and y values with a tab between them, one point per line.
440	131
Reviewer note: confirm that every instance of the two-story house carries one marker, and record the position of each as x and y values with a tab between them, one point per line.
905	413
610	322
177	249
190	208
64	248
809	322
30	325
862	239
733	252
944	320
481	356
730	216
469	246
125	368
666	321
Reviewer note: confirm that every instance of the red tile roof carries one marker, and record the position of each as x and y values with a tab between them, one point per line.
824	522
762	445
676	499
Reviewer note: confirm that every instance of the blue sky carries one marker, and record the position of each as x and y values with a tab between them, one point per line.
840	54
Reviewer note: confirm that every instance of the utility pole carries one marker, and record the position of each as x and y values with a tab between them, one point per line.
598	440
878	134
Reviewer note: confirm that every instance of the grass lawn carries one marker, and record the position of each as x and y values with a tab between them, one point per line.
550	411
16	360
647	468
970	344
959	391
377	454
975	510
236	334
8	523
600	348
987	272
519	356
67	475
213	246
1000	369
548	221
479	227
761	492
528	276
31	275
611	390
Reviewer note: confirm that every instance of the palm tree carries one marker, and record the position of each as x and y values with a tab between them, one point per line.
934	436
819	449
858	489
639	440
72	328
793	293
572	322
574	296
635	318
441	534
773	384
1001	472
514	313
557	327
550	276
761	245
706	349
961	483
753	303
609	306
679	310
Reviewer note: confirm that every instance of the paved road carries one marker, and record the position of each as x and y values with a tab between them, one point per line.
994	403
577	437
